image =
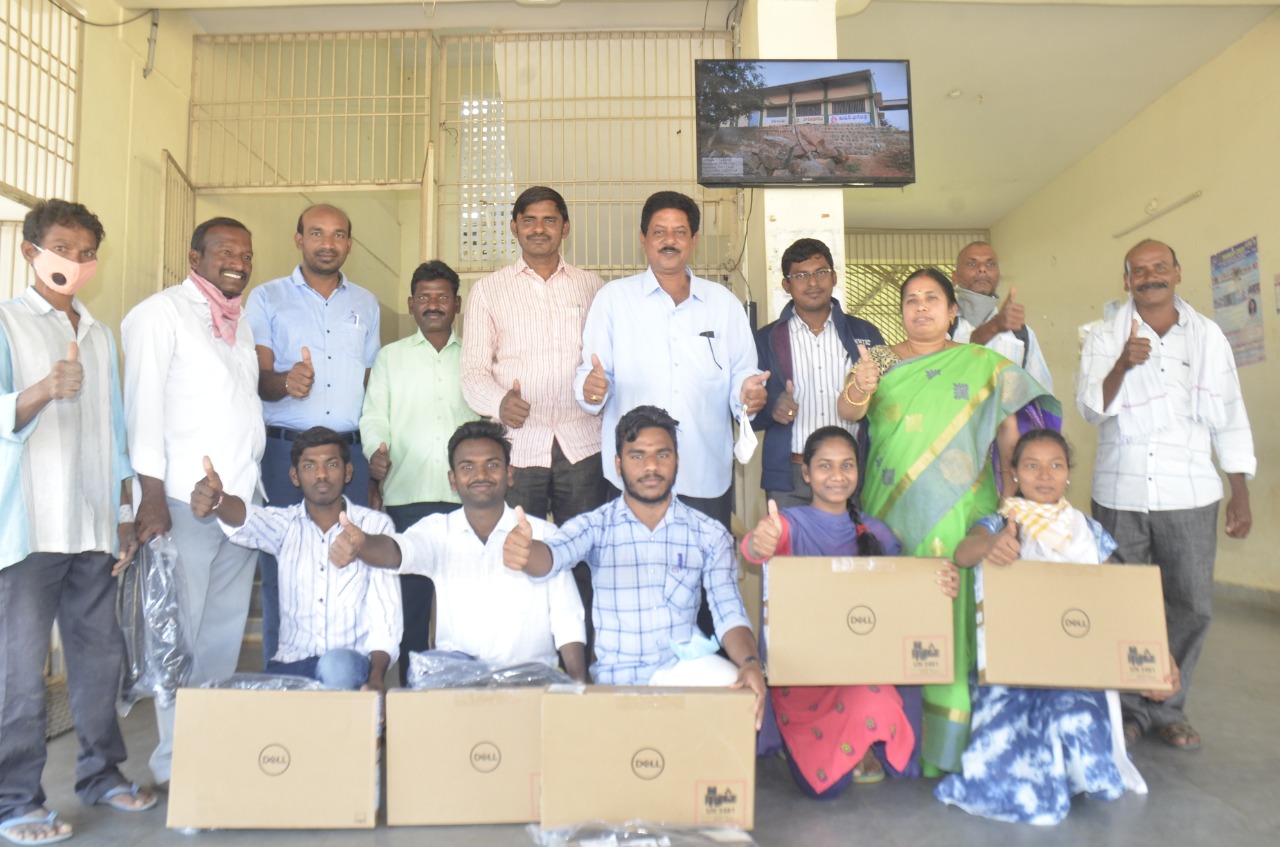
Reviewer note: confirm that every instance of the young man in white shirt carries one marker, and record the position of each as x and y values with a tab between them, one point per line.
341	626
483	609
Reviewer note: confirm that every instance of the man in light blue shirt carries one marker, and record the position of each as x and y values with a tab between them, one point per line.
317	335
670	339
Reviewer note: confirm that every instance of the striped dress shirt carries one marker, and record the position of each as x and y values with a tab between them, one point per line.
819	364
516	325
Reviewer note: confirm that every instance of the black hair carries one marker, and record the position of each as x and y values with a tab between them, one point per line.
804	250
198	236
435	269
1041	435
868	544
55	212
1172	252
935	275
318	436
670	200
325	206
483	430
537	194
643	417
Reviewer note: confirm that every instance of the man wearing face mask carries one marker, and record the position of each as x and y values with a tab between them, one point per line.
190	391
66	523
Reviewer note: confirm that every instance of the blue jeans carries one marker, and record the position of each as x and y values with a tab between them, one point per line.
340	669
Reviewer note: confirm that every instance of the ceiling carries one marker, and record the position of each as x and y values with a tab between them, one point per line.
1005	96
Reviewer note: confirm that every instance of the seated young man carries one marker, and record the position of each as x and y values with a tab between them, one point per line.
482	609
338	625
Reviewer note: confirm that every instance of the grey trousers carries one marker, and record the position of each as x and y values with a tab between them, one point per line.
217	578
79	591
1183	542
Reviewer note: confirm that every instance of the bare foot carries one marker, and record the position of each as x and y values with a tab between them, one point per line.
40	825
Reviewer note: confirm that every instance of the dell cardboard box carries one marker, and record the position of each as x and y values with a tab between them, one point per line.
675	756
463	755
857	621
1059	625
274	760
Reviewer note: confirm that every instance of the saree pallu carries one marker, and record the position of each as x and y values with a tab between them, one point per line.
933	423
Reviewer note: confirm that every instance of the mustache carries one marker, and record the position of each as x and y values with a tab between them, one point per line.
434	313
1148	286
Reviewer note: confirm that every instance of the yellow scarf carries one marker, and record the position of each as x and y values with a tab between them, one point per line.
1048	523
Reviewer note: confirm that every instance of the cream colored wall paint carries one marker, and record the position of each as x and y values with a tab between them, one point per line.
125	122
1216	132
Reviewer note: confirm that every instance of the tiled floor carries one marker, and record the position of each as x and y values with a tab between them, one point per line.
1227	794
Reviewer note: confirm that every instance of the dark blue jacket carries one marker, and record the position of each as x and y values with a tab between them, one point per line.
773	346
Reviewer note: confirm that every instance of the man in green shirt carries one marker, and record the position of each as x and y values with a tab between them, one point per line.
412	405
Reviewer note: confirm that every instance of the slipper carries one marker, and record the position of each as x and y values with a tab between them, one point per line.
1181	735
869	771
49	819
115	798
1132	732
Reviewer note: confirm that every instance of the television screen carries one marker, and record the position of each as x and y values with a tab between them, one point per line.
775	123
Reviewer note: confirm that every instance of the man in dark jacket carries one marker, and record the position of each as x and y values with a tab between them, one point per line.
807	352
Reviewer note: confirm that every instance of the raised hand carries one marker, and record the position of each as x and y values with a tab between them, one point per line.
763	540
596	385
866	373
208	493
67	375
345	549
754	393
300	378
515	550
1005	548
513	410
1136	349
380	463
785	407
1012	316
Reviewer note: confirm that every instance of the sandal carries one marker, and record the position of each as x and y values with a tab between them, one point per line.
1132	732
39	820
1181	735
128	797
869	770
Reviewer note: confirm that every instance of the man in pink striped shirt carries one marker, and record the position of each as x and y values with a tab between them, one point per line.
521	345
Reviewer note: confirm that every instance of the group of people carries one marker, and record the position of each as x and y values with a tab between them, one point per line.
369	483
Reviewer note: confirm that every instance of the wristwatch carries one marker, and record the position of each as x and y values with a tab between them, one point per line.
754	660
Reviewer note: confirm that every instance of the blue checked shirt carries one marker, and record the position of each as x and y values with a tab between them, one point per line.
646	584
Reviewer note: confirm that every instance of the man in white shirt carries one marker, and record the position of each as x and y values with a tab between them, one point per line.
483	609
985	320
341	626
1160	381
190	391
65	517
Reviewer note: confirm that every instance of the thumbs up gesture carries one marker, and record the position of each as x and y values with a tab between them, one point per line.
300	378
1136	349
67	375
754	393
208	494
380	463
763	540
1011	317
785	407
345	549
866	373
596	385
1005	547
513	410
516	549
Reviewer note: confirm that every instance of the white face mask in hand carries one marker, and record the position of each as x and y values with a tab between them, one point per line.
745	447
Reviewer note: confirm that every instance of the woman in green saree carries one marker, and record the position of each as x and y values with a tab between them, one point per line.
935	411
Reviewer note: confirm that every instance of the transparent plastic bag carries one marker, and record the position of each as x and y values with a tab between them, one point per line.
439	669
635	834
266	682
157	651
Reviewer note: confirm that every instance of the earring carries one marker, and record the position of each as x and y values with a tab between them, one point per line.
1068	483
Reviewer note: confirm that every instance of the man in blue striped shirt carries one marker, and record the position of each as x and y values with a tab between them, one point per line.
649	555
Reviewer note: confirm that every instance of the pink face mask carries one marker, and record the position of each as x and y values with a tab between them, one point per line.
60	273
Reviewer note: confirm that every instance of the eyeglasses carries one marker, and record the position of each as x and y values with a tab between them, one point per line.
816	276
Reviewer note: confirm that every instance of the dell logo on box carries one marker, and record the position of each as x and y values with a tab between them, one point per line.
273	760
861	620
486	757
1075	623
647	763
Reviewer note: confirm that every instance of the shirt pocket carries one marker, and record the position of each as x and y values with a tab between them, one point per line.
705	355
351	339
683	583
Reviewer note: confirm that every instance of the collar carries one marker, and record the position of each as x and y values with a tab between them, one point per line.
797	323
304	515
36	303
697	285
456	522
522	266
677	512
301	281
418	339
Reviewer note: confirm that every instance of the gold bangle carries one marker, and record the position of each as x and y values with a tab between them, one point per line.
849	399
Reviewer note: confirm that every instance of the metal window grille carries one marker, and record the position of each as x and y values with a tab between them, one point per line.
310	110
178	220
39	88
14	270
606	118
876	263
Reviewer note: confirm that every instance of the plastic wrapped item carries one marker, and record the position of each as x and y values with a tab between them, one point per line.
439	669
157	652
635	834
266	682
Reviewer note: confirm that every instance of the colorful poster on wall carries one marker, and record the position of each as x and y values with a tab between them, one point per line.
1237	300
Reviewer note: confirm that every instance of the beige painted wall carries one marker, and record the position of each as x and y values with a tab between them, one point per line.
1214	132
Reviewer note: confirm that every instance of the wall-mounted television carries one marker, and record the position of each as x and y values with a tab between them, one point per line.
782	123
